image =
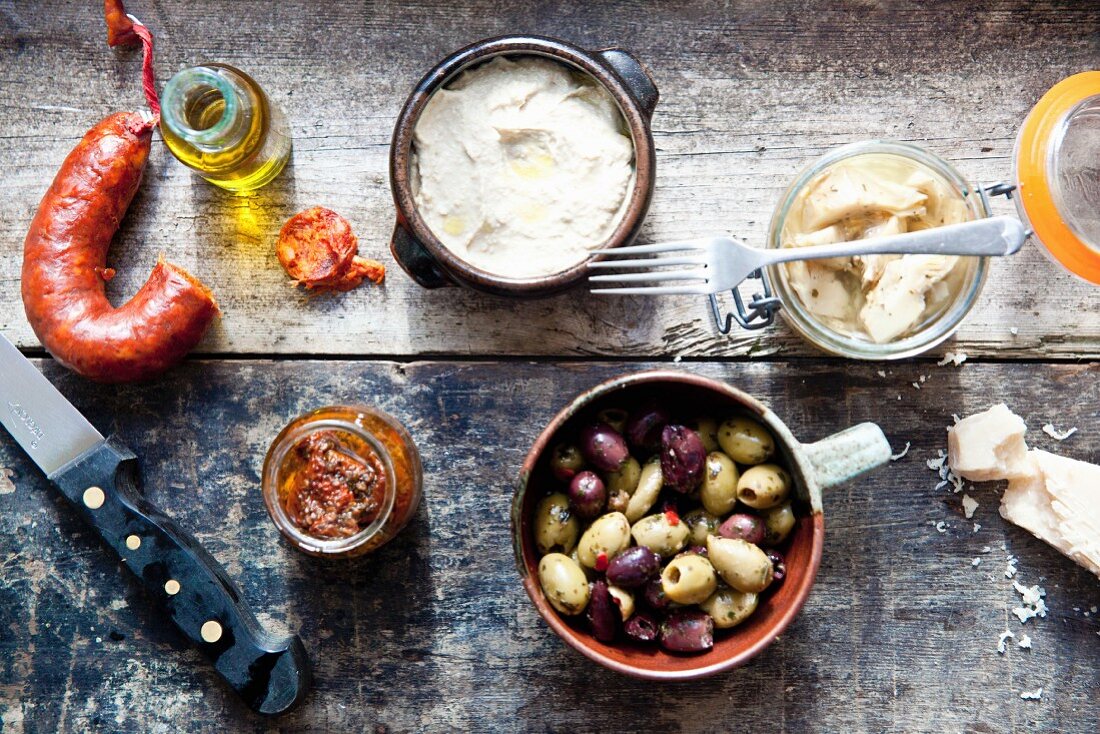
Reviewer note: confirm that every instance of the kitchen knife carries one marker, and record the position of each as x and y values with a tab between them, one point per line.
100	478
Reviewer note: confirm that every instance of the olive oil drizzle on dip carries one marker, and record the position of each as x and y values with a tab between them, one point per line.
521	167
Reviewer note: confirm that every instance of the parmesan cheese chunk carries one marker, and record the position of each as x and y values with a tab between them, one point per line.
988	446
1059	502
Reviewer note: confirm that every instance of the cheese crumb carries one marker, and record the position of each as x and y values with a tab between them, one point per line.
1002	642
1025	642
1010	567
1014	331
975	562
955	358
969	506
977	526
941	526
881	373
1032	597
916	385
1057	435
1032	695
903	452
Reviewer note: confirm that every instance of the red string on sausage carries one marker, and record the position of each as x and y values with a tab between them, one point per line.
126	30
148	79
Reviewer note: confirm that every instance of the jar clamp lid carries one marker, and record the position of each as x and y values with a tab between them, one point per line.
1057	171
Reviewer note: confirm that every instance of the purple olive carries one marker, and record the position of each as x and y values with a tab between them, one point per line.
682	458
642	626
744	526
633	567
603	613
604	447
779	565
655	595
643	430
566	461
695	550
687	632
587	495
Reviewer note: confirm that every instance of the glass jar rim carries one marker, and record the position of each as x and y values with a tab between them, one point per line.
294	432
833	342
173	112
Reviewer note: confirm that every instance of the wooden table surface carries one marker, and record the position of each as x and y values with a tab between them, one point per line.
434	631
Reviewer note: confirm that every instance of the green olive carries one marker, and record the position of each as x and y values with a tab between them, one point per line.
779	521
719	491
565	461
657	533
626	478
764	486
741	564
607	535
746	441
624	599
701	524
688	579
564	584
556	527
614	417
729	608
649	486
707	428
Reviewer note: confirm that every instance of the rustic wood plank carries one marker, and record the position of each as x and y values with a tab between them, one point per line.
751	92
435	633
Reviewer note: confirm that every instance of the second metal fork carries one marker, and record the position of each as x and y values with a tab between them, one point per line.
720	263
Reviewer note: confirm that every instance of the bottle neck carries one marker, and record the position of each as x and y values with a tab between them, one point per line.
207	107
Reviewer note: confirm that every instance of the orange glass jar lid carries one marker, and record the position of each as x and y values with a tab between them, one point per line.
1058	173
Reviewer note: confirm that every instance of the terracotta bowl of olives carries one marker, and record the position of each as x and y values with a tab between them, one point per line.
669	526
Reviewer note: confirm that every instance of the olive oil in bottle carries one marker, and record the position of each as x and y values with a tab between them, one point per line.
219	122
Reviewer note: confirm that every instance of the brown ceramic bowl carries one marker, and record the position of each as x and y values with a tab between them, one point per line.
424	257
813	467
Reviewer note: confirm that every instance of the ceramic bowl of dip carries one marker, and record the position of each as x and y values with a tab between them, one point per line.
814	467
416	247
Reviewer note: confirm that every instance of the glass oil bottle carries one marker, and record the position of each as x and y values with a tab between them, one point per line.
219	122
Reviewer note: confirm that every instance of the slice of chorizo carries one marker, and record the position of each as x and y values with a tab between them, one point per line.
66	251
318	250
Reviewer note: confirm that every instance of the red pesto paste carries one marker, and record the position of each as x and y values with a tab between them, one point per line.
334	484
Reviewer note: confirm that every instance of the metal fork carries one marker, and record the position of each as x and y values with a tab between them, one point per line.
721	263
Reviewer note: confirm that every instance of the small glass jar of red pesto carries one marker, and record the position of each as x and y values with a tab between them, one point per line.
341	481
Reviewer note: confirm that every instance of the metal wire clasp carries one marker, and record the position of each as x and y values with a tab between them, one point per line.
984	191
759	313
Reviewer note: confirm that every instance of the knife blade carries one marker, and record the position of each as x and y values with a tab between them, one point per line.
100	478
38	417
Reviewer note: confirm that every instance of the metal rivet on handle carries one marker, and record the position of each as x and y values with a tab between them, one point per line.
211	631
94	498
133	542
171	587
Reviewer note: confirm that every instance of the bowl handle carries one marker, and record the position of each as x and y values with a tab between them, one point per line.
845	455
635	76
415	260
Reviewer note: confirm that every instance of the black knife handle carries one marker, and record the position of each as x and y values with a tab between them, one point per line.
269	673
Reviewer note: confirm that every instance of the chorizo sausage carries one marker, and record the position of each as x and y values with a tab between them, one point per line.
66	250
318	250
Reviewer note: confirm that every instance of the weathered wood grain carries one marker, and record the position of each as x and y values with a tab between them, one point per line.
751	92
435	633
